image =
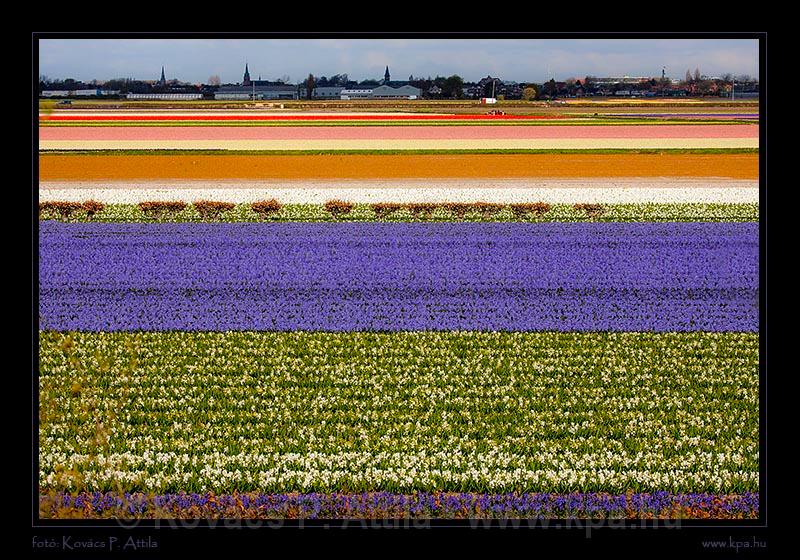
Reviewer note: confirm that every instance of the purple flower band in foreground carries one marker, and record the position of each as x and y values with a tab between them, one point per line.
442	505
399	277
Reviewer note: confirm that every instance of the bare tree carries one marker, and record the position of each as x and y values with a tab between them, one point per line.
310	86
696	74
688	77
214	80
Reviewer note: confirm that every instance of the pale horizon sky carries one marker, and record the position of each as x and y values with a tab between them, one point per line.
521	60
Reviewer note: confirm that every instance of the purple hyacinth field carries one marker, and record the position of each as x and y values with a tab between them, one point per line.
660	277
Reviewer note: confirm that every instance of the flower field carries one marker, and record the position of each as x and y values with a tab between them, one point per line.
366	116
732	205
394	138
399	412
468	317
486	132
379	277
111	167
378	505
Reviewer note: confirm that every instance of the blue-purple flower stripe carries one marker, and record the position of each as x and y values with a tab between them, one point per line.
422	504
399	276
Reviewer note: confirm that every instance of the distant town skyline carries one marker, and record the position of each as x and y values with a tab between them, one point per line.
535	60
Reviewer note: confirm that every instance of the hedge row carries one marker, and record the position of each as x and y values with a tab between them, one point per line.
209	209
66	210
342	211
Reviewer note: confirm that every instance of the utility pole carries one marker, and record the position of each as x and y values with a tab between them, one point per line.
494	80
733	88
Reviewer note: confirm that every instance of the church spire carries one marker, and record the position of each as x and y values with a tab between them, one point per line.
386	76
163	80
246	79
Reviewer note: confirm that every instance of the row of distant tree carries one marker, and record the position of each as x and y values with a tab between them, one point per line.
450	87
693	84
123	85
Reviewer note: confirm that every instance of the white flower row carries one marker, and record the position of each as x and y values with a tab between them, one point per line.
311	193
405	471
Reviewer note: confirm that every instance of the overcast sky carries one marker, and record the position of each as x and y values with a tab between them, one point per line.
535	60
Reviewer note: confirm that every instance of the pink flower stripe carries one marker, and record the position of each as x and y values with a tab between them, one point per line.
395	133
